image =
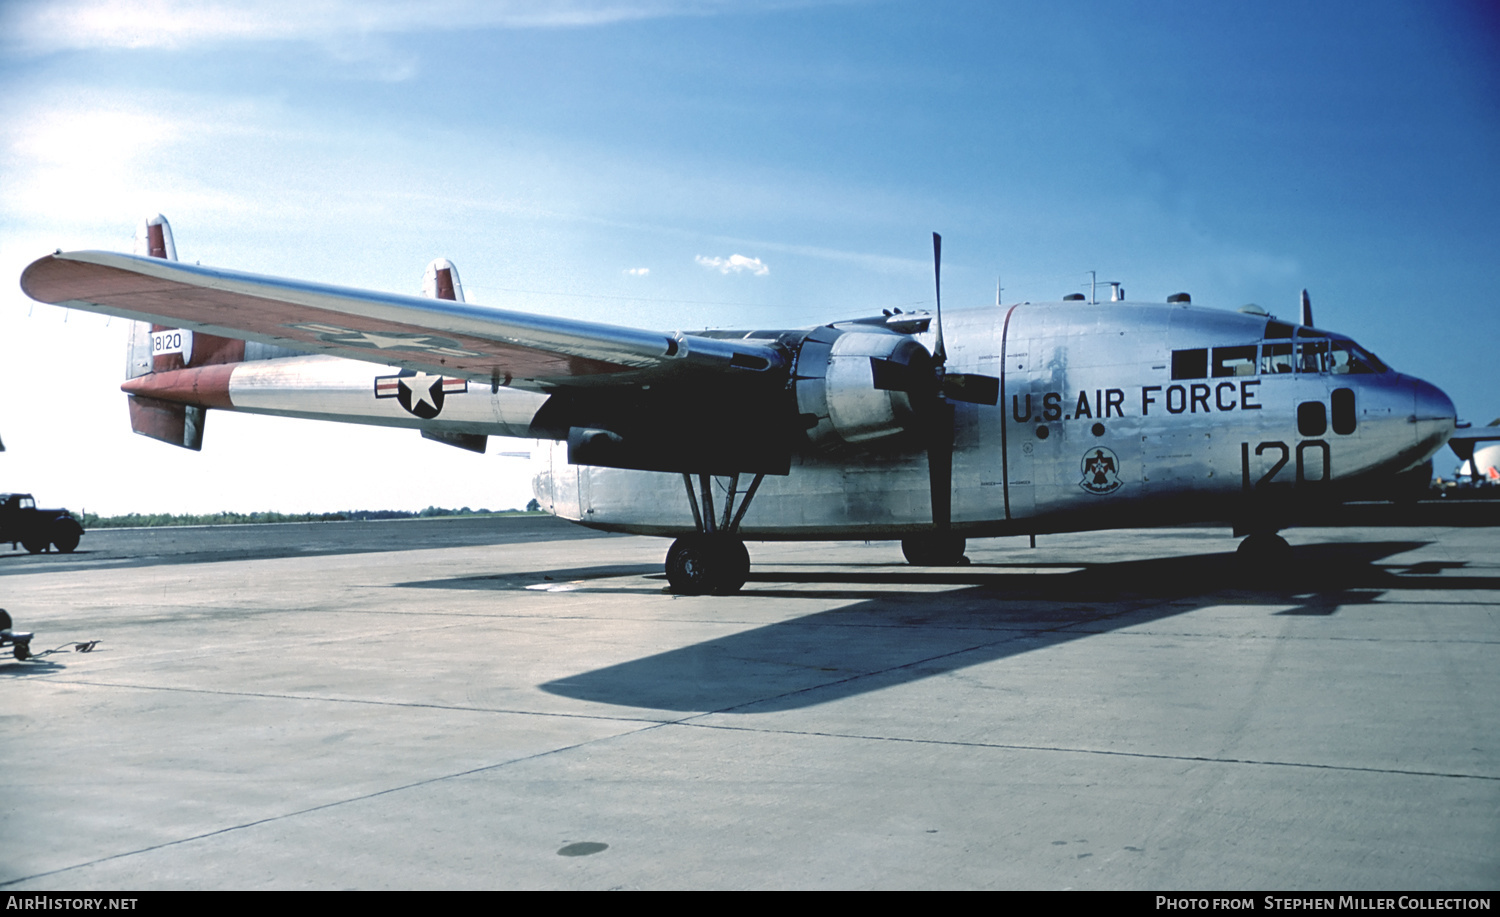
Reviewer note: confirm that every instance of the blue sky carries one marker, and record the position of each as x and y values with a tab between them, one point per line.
606	160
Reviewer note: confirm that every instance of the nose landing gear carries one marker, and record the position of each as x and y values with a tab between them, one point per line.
1264	553
937	550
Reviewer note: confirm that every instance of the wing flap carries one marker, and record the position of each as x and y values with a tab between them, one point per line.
435	335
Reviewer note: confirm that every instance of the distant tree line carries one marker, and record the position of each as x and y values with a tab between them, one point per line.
140	520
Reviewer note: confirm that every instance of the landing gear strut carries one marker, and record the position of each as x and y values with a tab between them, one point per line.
713	560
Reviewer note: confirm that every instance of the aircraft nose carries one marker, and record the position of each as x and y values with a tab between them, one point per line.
1433	414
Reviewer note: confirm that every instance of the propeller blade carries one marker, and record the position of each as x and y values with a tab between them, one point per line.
971	388
1306	309
938	353
940	464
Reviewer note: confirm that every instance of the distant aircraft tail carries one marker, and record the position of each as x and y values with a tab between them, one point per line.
159	349
174	375
440	281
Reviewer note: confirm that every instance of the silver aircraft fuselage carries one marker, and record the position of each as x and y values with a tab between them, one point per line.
1109	415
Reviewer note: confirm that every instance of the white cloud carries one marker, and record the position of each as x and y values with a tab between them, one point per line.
638	271
735	264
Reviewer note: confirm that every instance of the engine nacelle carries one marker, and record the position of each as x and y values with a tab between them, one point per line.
856	386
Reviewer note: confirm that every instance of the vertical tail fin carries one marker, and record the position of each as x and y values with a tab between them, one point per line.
157	348
440	281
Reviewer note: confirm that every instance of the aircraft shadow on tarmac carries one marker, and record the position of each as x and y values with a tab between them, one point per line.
889	637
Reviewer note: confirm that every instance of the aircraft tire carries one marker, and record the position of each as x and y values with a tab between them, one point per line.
707	565
1263	554
934	550
736	560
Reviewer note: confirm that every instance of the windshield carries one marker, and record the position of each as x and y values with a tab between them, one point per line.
1314	352
1349	357
1285	351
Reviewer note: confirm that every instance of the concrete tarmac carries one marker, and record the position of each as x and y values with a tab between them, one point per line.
519	704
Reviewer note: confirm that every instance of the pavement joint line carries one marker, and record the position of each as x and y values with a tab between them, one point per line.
327	805
1205	759
376	703
1289	638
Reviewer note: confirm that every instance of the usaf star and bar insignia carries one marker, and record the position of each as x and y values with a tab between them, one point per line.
420	393
382	340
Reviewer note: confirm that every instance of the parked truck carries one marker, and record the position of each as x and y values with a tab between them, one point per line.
35	529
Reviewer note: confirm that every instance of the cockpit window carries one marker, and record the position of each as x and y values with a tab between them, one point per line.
1309	352
1276	358
1312	356
1348	357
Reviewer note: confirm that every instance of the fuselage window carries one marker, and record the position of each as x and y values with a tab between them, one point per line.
1312	418
1344	420
1234	361
1276	358
1190	364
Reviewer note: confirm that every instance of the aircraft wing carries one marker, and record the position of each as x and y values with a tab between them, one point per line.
500	346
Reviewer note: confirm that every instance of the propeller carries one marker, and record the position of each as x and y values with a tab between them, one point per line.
933	391
940	422
1306	309
972	388
938	352
940	393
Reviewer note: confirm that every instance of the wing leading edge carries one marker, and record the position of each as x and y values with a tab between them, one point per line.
500	346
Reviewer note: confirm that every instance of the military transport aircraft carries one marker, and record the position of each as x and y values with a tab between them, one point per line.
1021	419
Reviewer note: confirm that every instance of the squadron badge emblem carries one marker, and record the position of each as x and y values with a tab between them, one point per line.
1101	471
420	393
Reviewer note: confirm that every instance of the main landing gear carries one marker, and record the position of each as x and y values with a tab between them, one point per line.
713	560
